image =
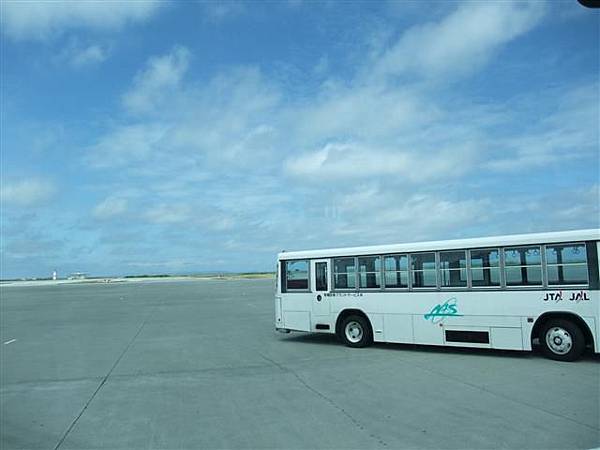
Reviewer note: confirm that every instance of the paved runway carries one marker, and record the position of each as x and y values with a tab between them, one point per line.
197	365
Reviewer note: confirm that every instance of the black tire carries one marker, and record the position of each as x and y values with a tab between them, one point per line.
562	340
356	331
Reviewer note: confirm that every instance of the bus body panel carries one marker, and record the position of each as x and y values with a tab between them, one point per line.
297	320
473	311
398	328
597	333
526	332
504	338
398	317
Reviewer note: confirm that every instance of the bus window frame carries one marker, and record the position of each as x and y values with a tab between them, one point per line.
358	272
439	269
334	273
411	271
587	265
503	286
528	287
500	285
407	271
285	280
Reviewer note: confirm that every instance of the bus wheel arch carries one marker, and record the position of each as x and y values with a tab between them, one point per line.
562	321
358	319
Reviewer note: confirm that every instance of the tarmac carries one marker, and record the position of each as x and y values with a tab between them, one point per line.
197	364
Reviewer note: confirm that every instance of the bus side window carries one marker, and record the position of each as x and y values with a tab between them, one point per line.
566	264
453	269
422	266
344	273
396	271
369	272
485	267
321	276
523	266
296	275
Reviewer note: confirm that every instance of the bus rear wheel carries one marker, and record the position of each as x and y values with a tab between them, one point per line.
356	332
562	340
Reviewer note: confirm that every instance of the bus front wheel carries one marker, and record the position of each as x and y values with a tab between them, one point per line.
562	340
356	331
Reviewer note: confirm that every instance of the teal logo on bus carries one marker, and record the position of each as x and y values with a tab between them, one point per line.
447	309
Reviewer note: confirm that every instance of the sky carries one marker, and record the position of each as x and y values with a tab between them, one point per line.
185	137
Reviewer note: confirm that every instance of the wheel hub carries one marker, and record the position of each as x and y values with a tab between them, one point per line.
353	332
559	340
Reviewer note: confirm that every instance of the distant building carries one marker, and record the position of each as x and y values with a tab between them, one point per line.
78	276
54	275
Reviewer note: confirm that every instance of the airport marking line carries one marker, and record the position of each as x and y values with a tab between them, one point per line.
9	342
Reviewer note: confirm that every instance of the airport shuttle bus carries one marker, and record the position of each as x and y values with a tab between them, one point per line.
496	292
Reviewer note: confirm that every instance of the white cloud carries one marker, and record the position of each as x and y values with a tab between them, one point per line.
371	112
349	161
229	120
79	55
565	208
462	41
322	66
30	192
221	10
398	216
92	54
157	82
169	213
367	159
126	144
110	207
571	213
41	19
241	162
567	131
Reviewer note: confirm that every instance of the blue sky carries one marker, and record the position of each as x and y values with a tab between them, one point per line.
157	137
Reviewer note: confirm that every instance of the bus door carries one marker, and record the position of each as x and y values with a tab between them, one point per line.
321	284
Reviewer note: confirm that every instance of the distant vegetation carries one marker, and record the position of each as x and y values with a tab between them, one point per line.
255	275
224	275
107	279
162	275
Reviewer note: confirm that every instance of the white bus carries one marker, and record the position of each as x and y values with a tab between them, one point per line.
494	292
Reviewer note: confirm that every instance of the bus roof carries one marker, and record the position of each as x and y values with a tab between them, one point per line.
493	241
